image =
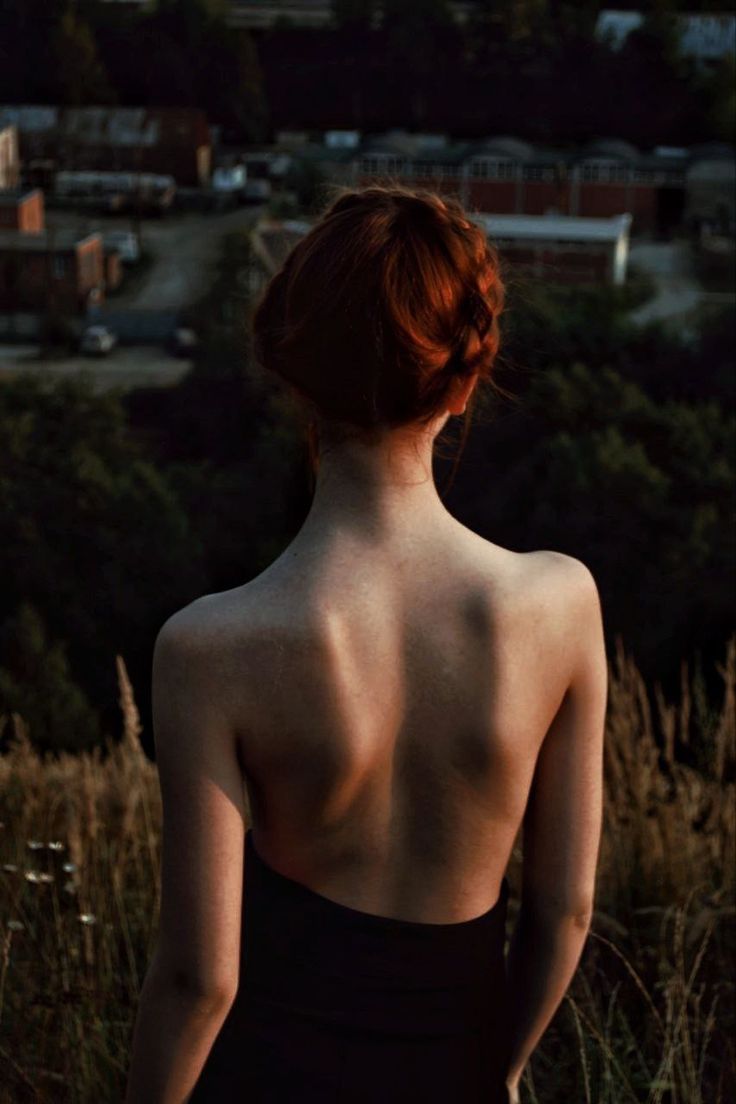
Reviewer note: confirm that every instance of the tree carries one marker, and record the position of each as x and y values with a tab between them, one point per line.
421	36
91	534
718	89
36	682
80	74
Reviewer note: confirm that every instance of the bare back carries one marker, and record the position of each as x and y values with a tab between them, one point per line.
389	712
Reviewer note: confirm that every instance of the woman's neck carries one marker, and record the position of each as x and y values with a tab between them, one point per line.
379	490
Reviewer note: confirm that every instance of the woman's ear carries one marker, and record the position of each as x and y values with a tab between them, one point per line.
460	391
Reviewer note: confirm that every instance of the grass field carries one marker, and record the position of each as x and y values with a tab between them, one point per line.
649	1016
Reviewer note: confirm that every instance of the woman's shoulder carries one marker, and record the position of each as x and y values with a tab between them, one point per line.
559	565
547	567
218	621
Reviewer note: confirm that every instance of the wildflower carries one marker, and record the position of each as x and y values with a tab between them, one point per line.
69	887
15	925
69	867
35	845
10	867
87	918
56	845
32	876
45	877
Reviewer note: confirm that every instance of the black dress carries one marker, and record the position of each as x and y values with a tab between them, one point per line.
338	1005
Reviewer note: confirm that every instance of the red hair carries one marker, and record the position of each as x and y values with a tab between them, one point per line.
392	293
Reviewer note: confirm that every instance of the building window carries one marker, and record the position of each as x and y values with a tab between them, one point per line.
59	266
538	172
377	166
487	169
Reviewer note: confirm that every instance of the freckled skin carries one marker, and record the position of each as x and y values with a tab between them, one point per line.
391	715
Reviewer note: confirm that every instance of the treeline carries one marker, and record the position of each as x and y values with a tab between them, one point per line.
528	67
617	447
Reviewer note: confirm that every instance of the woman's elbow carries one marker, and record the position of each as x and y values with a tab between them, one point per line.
207	993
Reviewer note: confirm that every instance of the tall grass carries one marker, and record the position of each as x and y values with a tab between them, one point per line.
649	1016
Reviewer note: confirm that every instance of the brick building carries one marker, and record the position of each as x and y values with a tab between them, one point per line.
561	248
57	270
505	175
166	140
22	209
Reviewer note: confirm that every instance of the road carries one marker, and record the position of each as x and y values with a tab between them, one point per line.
679	291
184	248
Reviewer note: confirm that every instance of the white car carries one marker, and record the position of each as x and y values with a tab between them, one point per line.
183	341
97	341
126	244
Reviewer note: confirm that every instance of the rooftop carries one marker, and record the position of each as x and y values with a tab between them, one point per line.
10	197
554	227
44	241
113	126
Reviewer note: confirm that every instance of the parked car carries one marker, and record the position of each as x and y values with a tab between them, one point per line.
182	341
256	191
97	341
126	243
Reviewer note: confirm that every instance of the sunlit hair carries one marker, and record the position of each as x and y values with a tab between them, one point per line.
392	293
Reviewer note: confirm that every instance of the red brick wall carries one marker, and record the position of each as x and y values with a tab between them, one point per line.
113	271
35	281
595	200
26	215
90	264
538	196
29	281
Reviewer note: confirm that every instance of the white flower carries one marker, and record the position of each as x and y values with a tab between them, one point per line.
35	845
69	867
56	845
87	918
15	925
10	867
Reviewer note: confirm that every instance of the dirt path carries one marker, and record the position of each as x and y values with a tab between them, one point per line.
680	293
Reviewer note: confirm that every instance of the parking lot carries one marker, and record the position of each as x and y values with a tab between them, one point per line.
127	367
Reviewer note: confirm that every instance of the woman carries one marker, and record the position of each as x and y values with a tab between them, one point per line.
395	694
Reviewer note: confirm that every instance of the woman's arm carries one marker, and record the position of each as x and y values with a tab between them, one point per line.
193	975
561	833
